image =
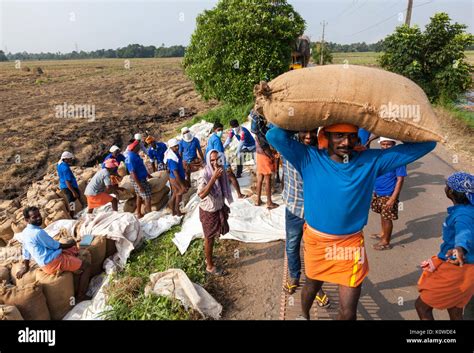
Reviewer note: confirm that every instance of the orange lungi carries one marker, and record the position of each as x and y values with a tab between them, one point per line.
98	200
66	261
265	165
337	259
448	286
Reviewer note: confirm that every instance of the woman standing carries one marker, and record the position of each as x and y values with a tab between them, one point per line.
213	189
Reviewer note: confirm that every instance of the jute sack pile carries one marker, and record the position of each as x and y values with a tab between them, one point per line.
385	103
9	312
28	299
59	292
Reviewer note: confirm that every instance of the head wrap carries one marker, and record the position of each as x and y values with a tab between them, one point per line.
464	183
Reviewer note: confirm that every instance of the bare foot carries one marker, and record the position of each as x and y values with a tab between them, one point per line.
376	236
243	196
258	202
139	215
272	205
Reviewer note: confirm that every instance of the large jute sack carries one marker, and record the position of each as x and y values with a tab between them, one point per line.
28	299
157	196
9	313
56	216
28	278
125	195
110	247
130	205
4	274
385	103
6	232
126	184
158	181
97	250
59	292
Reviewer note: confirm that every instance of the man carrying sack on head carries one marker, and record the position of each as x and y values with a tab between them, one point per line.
338	184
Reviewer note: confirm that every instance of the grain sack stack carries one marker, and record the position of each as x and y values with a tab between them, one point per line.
46	195
385	103
159	196
28	299
7	211
9	313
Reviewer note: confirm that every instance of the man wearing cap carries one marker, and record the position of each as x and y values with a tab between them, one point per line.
114	153
337	185
139	138
156	153
190	148
138	178
385	199
246	143
177	176
447	281
68	182
100	187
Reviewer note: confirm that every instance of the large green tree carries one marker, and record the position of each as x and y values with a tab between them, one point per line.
239	43
434	58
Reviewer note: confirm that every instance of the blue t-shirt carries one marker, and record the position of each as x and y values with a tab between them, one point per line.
385	184
172	166
244	135
157	153
214	143
120	158
37	244
337	196
189	149
135	164
458	230
65	174
363	135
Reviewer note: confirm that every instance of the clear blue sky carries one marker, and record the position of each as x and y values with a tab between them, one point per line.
36	26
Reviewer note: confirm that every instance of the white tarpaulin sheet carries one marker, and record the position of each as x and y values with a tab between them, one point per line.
247	222
154	224
176	284
92	309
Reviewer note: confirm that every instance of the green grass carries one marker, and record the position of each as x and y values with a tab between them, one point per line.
465	116
223	113
126	295
364	58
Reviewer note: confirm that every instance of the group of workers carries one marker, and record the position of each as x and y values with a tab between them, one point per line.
331	178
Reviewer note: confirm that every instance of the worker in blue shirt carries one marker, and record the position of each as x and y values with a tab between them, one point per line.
246	144
338	184
68	183
447	281
190	149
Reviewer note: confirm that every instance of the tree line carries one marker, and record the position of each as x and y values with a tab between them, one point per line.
130	51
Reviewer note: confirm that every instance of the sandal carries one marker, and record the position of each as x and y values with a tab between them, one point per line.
375	236
382	247
219	272
323	302
290	288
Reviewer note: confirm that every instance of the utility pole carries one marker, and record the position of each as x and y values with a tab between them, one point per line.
324	23
409	8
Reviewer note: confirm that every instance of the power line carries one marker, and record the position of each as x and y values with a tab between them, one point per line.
344	11
388	18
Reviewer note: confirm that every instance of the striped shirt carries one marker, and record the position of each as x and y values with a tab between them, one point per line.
292	189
